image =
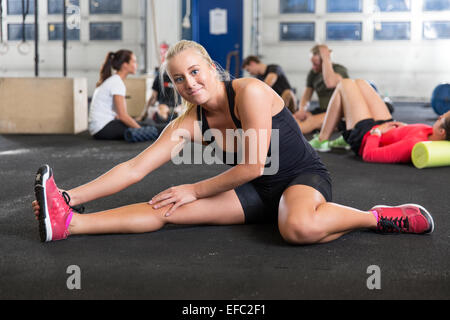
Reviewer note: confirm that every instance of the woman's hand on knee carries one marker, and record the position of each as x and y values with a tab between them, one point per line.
178	196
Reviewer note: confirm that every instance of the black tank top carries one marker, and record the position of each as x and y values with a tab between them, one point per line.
294	156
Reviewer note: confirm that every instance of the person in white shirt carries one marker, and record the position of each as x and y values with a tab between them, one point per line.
108	116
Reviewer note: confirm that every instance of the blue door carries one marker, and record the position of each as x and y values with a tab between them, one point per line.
217	25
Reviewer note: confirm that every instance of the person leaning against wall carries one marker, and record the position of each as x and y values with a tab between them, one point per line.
274	76
323	78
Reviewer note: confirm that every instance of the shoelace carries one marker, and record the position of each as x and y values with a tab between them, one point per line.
79	209
392	224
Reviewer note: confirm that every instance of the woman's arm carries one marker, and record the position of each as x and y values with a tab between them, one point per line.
122	114
133	170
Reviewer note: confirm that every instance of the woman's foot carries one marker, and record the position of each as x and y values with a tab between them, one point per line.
339	143
406	218
54	214
321	146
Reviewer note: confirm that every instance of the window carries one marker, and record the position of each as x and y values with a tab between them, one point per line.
344	30
436	30
297	31
105	31
15	6
393	5
105	6
344	6
392	31
55	32
15	31
297	6
56	6
436	5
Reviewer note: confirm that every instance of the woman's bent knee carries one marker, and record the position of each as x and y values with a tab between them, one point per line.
301	231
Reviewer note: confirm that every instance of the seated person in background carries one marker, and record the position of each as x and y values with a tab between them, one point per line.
274	76
370	129
322	79
163	114
108	116
163	100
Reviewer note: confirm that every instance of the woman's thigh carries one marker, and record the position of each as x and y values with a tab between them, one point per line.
222	209
354	105
376	105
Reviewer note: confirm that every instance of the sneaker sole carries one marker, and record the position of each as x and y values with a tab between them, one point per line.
422	209
45	226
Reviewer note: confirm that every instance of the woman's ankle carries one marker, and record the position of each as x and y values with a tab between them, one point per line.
323	137
73	223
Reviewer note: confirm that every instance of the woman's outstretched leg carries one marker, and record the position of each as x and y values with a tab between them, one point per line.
57	220
222	209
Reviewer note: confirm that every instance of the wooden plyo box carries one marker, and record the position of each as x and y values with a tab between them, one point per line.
138	93
43	105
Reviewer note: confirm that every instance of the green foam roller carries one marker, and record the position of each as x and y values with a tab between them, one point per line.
428	154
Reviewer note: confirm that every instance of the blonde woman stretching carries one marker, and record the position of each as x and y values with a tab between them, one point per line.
297	195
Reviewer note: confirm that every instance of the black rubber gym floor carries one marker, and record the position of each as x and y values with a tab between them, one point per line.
217	262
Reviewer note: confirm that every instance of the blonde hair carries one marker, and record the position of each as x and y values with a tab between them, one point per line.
179	47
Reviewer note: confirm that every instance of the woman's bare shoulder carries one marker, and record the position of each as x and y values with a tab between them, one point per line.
248	84
247	89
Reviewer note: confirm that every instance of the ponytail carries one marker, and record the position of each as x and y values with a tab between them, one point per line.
113	60
105	71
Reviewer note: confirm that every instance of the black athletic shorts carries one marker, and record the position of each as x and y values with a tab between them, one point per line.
260	202
354	137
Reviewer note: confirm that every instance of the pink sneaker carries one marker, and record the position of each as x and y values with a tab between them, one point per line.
54	213
406	218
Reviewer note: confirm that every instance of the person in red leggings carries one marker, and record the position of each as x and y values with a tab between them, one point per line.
370	130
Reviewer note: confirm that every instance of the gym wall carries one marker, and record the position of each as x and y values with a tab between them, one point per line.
85	55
